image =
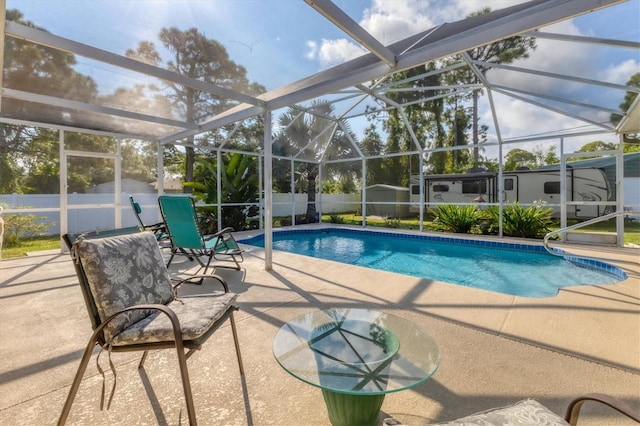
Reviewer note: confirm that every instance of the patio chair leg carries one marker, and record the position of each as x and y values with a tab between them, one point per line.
143	359
235	341
186	385
187	254
173	253
206	268
75	385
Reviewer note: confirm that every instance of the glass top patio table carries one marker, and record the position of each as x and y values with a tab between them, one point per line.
358	353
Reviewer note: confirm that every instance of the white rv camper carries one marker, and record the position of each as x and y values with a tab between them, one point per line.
524	186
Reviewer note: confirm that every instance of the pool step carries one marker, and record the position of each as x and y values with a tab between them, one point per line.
598	238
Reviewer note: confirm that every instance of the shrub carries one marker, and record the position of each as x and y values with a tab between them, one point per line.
518	221
458	219
336	218
18	227
390	222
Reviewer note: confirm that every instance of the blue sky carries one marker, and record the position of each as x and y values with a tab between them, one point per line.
280	41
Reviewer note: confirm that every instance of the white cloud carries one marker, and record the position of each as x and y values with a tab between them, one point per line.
312	50
393	20
562	58
390	21
622	72
333	52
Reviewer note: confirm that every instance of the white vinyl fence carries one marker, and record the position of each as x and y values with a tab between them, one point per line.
81	218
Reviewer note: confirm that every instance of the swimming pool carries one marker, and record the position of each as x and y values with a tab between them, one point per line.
516	269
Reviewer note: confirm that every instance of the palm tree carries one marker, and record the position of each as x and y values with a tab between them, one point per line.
311	136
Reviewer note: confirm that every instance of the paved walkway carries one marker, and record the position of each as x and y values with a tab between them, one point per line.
496	349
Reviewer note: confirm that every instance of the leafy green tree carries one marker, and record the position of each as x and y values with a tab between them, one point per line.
459	125
596	146
424	118
372	145
16	142
195	56
37	69
517	158
501	52
312	136
40	69
138	163
42	164
629	97
346	185
520	158
443	121
545	157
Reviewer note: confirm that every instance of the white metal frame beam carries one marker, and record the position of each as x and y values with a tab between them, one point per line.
3	11
336	15
84	106
588	81
43	38
583	39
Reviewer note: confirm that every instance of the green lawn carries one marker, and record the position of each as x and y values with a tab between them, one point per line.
51	242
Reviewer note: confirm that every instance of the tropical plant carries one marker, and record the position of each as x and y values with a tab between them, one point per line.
310	136
194	55
518	221
454	218
239	183
336	218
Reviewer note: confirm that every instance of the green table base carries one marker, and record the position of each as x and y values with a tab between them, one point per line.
352	410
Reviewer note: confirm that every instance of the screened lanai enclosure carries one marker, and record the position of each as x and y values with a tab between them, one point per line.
278	111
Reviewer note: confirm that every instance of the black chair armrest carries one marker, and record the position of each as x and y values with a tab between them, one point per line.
200	277
573	410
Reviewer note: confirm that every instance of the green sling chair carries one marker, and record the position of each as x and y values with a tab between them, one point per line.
179	214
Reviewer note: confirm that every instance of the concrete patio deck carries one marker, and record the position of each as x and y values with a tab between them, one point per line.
496	349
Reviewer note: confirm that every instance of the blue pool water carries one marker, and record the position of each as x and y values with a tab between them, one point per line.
517	269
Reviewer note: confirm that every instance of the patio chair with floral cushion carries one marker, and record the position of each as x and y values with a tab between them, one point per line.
133	305
530	412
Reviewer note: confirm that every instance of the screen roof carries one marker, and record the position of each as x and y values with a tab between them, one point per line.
113	66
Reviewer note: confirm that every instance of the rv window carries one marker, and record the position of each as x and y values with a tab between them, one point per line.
474	187
415	189
552	187
440	188
508	184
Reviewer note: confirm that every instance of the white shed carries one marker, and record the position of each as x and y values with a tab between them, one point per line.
387	201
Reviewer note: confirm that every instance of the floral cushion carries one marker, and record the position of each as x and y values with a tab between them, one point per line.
527	412
524	413
124	271
196	315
